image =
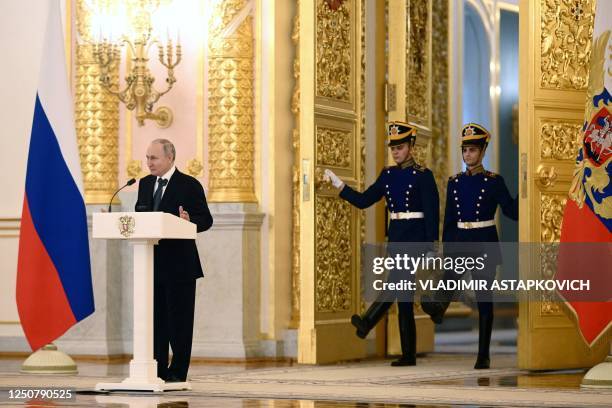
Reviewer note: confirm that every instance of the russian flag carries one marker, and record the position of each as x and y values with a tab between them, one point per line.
54	289
585	251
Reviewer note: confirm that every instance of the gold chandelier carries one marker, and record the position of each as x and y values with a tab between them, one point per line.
117	24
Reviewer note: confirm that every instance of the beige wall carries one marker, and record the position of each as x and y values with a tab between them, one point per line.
21	35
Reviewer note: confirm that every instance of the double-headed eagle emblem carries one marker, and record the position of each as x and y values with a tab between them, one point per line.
126	225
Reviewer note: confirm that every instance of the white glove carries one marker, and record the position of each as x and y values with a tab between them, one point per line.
330	177
432	254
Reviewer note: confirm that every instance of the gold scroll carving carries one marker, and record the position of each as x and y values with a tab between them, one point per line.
333	253
333	147
96	120
566	41
551	216
559	140
295	109
548	265
333	50
230	110
418	60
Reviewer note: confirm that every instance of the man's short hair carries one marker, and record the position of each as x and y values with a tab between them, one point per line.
169	149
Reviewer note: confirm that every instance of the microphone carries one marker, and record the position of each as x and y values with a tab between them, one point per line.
129	183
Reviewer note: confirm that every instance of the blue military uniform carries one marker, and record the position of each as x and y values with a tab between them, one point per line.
472	198
410	192
471	202
412	200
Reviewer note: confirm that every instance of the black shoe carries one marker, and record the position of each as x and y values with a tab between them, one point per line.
404	361
362	327
482	363
434	309
173	378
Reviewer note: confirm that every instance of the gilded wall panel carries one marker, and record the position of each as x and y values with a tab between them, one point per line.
559	140
420	154
231	105
418	60
96	120
439	95
333	146
551	216
333	50
566	41
333	290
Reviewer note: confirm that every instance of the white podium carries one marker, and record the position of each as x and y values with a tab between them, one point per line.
143	230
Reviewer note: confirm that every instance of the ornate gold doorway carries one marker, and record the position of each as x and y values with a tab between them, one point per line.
328	135
553	80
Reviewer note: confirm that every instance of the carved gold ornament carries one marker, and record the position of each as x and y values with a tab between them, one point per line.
194	167
551	216
566	32
333	147
420	154
134	169
418	60
559	140
333	51
333	254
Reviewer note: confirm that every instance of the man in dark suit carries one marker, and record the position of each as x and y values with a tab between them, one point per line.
176	261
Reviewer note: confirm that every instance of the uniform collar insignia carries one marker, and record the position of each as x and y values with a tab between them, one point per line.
476	170
409	162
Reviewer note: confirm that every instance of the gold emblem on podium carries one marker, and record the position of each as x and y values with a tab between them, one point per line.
126	225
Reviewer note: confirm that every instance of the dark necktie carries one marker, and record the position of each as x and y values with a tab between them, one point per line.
157	197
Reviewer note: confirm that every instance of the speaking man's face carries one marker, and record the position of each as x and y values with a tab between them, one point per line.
157	161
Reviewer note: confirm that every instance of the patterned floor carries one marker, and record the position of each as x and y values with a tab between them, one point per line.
440	379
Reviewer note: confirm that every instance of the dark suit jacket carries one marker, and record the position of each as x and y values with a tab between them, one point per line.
177	260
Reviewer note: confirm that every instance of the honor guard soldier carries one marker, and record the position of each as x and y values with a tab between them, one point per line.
412	200
471	202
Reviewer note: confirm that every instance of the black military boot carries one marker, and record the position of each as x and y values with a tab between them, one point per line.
366	323
434	308
407	329
485	327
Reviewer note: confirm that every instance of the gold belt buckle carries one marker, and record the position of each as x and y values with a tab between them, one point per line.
468	225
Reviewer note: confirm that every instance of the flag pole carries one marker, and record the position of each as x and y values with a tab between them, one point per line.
600	376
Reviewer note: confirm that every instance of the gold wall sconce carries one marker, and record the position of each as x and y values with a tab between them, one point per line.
118	24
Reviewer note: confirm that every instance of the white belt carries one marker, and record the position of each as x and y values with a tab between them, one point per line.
475	224
406	215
